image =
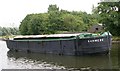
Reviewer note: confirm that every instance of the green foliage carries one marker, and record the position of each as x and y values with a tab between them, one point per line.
56	21
25	24
116	38
109	16
8	31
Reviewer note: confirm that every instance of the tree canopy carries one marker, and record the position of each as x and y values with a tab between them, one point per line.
8	31
109	15
56	21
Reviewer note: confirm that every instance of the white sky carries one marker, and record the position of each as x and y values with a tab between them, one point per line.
12	12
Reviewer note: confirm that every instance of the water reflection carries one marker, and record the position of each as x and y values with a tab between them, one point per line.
101	61
22	60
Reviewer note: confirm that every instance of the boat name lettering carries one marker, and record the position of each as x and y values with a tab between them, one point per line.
95	40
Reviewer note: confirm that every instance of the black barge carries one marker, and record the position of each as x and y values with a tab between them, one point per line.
63	44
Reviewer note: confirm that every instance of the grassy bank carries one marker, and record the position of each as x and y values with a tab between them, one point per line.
6	37
116	38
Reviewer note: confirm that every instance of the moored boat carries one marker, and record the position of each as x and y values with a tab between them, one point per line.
63	44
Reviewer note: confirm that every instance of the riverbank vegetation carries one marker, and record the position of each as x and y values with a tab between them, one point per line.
116	38
56	20
109	15
8	31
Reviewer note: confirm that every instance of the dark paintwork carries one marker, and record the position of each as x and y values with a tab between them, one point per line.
64	47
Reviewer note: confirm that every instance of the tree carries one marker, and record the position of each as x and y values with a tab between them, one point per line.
8	31
109	16
39	24
55	21
25	25
72	23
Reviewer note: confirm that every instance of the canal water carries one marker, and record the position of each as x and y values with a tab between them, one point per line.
22	60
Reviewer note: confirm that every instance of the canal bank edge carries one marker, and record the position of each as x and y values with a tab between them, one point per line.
116	39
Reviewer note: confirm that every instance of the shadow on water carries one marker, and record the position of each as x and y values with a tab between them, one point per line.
94	61
115	55
23	60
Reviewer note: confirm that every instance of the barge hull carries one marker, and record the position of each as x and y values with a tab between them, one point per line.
93	45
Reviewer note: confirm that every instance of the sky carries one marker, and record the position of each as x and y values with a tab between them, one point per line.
12	12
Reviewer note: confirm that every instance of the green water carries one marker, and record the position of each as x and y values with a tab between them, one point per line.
22	60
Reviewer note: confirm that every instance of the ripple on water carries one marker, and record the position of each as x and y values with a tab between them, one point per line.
20	60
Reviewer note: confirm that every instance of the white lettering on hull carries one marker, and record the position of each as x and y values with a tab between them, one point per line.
96	40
